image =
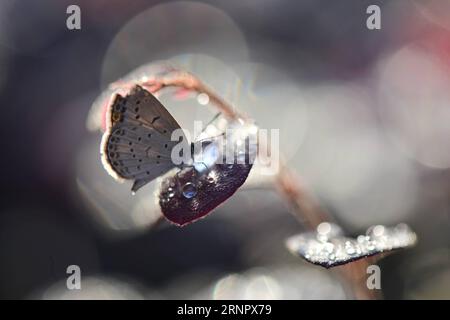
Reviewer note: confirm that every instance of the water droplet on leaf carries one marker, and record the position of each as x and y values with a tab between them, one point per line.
189	190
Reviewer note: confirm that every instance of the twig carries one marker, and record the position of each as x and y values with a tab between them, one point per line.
307	210
302	203
190	82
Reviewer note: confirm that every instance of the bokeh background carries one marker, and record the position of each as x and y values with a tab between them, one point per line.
364	118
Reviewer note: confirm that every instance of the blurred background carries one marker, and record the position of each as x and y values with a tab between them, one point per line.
364	119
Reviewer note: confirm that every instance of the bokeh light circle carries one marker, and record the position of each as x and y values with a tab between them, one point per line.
171	29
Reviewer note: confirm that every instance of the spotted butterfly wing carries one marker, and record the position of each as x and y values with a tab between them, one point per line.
137	143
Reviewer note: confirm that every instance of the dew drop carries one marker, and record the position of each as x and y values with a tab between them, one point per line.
241	156
329	247
350	250
189	190
377	231
170	193
203	99
324	228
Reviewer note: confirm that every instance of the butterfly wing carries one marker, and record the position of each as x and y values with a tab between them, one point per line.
137	143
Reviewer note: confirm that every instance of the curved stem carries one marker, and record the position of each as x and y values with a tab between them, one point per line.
188	81
305	208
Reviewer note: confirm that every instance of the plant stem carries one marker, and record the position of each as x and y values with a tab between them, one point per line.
188	81
303	205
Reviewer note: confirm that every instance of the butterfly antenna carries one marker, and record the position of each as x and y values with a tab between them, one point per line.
211	121
210	138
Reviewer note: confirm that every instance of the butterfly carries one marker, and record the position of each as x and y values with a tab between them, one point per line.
137	145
